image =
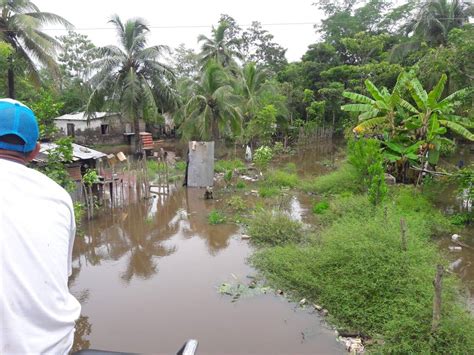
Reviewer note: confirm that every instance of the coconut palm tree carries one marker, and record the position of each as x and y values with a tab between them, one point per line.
20	26
437	17
218	48
130	78
211	106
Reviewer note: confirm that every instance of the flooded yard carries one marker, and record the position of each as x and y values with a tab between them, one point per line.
147	279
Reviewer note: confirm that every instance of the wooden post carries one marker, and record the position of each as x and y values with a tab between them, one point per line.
403	228
437	283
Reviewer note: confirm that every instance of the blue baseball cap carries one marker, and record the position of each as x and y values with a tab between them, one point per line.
17	119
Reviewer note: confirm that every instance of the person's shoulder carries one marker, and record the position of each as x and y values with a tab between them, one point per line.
46	184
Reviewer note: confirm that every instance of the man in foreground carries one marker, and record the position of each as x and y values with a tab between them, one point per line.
37	312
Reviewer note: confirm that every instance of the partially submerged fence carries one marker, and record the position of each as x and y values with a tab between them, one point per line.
314	135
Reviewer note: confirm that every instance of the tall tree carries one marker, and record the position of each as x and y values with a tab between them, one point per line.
211	106
20	26
130	77
436	18
219	48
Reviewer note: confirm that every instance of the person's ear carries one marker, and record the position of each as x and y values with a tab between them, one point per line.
33	153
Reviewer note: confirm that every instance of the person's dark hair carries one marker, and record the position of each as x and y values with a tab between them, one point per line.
13	139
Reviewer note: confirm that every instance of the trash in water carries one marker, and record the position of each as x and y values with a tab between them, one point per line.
238	289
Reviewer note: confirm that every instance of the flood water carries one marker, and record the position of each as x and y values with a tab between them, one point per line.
147	279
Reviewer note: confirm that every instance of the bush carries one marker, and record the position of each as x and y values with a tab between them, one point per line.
338	181
274	228
320	207
240	184
237	203
215	217
360	273
221	166
268	191
180	166
280	178
263	156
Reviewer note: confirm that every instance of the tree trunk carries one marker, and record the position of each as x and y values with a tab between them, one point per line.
136	128
11	81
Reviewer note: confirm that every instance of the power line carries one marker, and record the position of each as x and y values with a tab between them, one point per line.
183	26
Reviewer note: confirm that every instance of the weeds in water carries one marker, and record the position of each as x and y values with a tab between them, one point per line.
341	180
241	185
320	207
281	178
237	203
268	191
215	217
221	166
180	166
274	228
360	273
460	219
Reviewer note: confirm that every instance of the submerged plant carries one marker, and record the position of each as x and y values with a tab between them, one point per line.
215	217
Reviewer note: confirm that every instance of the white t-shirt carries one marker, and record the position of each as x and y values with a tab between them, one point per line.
37	312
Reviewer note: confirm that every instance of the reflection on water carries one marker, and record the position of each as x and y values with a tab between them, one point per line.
146	277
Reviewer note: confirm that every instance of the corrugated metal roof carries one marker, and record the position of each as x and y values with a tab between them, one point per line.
81	116
79	152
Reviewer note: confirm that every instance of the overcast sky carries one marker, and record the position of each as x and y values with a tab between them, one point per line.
90	17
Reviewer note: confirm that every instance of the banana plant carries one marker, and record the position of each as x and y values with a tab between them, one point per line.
384	110
431	117
402	156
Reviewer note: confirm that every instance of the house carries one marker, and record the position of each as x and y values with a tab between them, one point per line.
99	128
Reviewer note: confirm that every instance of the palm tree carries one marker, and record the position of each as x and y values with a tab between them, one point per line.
252	85
20	26
130	77
218	47
437	17
211	106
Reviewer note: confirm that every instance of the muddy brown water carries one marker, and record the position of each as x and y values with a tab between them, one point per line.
147	279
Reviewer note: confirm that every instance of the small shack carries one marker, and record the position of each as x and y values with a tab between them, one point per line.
83	158
99	127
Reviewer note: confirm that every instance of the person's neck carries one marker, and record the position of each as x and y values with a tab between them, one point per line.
13	156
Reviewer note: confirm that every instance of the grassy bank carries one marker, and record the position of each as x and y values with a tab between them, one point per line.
358	269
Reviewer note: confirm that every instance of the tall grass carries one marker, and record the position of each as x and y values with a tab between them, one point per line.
360	273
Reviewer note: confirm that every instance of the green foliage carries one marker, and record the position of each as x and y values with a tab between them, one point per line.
268	191
274	228
262	156
240	184
46	108
338	181
460	219
320	207
215	217
237	203
282	178
222	166
228	176
180	166
360	273
78	213
55	166
90	177
263	126
365	156
154	167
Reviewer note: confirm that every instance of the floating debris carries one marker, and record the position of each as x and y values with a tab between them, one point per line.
245	236
456	248
455	237
239	290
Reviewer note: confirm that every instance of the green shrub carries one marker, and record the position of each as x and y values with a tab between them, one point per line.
180	166
268	191
320	207
221	166
460	219
263	156
274	228
237	203
280	178
360	273
215	217
154	166
338	181
240	184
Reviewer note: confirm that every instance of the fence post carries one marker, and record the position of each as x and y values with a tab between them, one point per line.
437	283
